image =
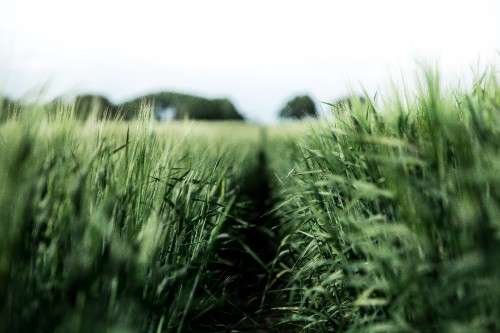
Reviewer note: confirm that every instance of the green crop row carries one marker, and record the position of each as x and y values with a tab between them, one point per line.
111	226
394	216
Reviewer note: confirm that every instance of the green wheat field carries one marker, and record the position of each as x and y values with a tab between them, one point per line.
381	217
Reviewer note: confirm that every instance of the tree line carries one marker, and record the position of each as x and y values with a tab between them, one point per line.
183	106
168	105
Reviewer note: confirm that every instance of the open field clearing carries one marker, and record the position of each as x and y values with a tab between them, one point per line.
376	220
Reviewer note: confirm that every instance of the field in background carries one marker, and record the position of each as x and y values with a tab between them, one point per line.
371	221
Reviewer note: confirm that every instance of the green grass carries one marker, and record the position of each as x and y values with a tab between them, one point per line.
110	226
395	216
380	219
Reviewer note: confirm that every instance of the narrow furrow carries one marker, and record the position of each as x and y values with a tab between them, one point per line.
246	259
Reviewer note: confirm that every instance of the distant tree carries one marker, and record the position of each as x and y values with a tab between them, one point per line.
184	106
227	110
130	110
207	109
88	104
9	108
196	108
299	107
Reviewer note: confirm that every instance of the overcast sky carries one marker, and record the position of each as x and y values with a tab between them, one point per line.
258	53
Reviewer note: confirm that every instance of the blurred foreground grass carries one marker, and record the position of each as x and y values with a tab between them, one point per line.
109	225
394	216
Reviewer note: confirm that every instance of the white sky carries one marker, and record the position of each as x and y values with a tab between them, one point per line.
258	53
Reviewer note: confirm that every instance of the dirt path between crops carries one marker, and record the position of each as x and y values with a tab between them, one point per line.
250	269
